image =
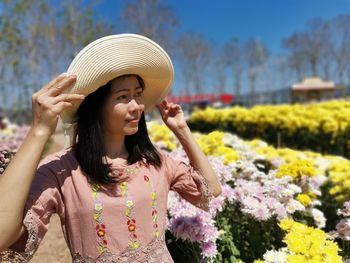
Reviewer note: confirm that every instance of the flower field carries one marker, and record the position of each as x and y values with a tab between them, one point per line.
11	137
323	127
277	204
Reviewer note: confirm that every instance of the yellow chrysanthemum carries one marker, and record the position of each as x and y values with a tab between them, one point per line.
332	117
296	259
161	133
297	169
308	244
213	144
286	224
304	199
339	174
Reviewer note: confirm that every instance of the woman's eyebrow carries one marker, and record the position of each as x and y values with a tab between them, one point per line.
139	87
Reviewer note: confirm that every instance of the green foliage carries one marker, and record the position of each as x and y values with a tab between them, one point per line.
329	206
227	251
250	237
182	251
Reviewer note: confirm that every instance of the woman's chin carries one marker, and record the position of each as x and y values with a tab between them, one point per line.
130	130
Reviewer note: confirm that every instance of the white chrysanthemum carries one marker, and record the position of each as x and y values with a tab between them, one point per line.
294	205
273	256
293	187
319	217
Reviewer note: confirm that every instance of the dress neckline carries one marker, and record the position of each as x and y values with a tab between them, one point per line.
114	163
123	165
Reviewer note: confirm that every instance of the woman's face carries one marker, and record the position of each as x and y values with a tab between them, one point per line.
124	103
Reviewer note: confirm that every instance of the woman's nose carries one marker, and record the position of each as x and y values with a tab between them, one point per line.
135	105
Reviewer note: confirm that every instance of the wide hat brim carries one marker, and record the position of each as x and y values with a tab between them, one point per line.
112	56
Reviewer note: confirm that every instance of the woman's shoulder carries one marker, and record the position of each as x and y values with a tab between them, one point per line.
59	157
162	152
53	170
169	155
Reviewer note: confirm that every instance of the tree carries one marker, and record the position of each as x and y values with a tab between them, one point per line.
151	18
318	43
11	43
194	56
341	46
79	25
297	54
38	40
256	54
219	70
233	59
308	47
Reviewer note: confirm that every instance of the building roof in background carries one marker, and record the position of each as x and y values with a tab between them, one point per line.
313	83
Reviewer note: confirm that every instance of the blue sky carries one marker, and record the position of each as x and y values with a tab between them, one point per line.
269	20
218	21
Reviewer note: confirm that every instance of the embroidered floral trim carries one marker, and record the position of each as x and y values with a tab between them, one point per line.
129	213
154	252
98	209
98	218
207	194
31	244
153	203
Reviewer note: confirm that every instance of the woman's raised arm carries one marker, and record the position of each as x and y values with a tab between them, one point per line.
16	180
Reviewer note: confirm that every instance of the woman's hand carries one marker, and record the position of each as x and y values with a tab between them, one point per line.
49	102
172	115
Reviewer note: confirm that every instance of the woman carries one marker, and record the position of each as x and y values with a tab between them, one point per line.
110	187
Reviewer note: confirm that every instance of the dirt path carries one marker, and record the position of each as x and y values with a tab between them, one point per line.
53	248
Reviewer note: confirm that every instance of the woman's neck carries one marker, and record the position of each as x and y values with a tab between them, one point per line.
115	147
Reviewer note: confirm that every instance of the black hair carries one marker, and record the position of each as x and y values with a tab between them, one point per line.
89	149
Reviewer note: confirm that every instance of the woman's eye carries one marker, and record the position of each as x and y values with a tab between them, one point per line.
138	94
121	97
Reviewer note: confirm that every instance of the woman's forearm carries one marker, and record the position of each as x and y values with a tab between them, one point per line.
198	159
15	184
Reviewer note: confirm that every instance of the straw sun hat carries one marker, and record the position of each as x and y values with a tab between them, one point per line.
112	56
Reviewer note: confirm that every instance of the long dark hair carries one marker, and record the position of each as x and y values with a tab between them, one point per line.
89	149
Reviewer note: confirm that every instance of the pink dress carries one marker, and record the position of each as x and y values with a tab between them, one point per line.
122	223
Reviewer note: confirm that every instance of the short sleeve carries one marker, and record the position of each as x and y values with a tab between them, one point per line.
186	180
43	200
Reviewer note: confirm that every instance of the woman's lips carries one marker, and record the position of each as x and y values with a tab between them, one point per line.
134	121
